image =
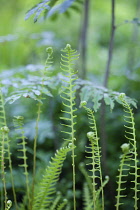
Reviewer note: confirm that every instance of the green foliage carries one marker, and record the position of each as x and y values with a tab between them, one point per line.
18	123
51	7
123	173
42	192
131	137
94	155
46	187
89	92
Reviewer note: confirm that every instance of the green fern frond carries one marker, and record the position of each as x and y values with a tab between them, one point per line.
68	207
68	97
87	198
86	175
3	132
62	205
95	154
131	137
55	202
48	64
6	146
18	123
123	173
46	187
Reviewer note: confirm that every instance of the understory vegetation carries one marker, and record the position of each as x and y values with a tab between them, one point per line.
69	126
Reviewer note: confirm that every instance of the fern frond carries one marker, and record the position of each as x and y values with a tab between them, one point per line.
6	146
55	202
84	172
62	205
88	204
68	96
3	132
48	64
18	123
123	173
95	154
131	136
46	187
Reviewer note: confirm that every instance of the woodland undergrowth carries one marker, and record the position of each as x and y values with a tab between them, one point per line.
41	193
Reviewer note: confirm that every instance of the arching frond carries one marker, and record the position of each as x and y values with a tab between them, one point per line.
130	135
46	187
68	97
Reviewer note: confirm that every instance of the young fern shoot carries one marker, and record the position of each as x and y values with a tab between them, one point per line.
18	123
131	137
94	151
4	130
6	145
123	169
68	96
48	64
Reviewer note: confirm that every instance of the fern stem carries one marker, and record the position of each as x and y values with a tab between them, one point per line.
34	150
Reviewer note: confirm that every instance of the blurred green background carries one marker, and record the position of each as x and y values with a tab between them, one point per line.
23	49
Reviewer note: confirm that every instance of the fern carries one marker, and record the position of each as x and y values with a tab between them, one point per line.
94	151
68	96
46	187
8	205
56	200
48	64
86	175
5	146
122	177
131	137
18	123
88	204
62	205
4	131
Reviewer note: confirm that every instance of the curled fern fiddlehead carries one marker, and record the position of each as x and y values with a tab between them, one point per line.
8	205
123	169
131	137
68	96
